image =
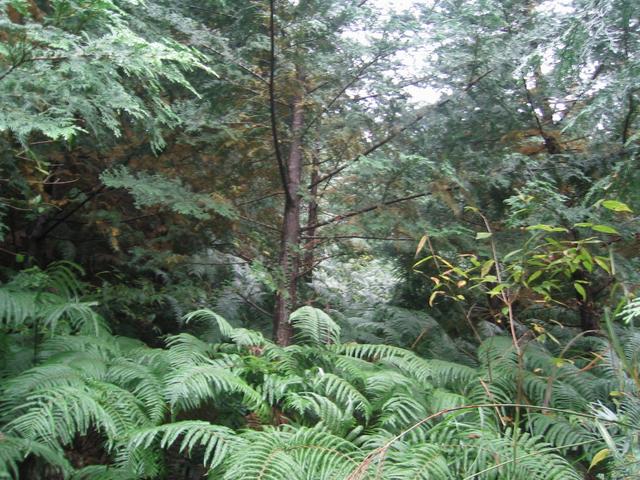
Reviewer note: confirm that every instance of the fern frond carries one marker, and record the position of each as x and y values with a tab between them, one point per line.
246	337
344	393
62	277
295	454
274	388
80	316
124	409
497	351
452	376
400	412
40	378
215	440
370	352
16	307
210	318
190	386
104	345
320	408
558	430
13	450
263	455
380	383
314	327
144	382
419	462
185	350
631	311
60	413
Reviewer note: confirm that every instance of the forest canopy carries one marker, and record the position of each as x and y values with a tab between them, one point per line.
319	239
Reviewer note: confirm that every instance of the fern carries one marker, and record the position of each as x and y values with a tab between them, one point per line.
57	415
14	450
216	441
287	453
345	393
339	407
314	327
191	386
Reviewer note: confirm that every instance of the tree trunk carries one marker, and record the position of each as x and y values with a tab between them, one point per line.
290	247
312	219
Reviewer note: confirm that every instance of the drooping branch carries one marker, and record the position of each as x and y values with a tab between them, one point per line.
253	305
370	208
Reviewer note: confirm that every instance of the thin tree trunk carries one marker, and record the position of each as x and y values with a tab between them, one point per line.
312	219
290	246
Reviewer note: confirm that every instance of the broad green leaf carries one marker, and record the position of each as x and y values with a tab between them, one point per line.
616	206
497	289
534	275
581	290
599	457
602	263
546	228
605	229
483	235
486	267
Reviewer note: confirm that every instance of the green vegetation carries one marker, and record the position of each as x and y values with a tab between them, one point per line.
319	239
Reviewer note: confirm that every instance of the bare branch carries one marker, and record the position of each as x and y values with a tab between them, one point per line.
338	218
260	198
363	237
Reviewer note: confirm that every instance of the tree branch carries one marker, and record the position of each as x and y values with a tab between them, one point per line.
251	220
338	218
238	64
59	221
253	304
260	198
395	131
354	79
363	237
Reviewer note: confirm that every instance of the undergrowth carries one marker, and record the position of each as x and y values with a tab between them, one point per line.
78	402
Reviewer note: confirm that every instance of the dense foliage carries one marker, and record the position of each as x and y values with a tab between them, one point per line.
319	239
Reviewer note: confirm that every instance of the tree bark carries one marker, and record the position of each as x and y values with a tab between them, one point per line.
290	247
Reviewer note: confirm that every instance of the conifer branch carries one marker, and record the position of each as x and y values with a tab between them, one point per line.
370	208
